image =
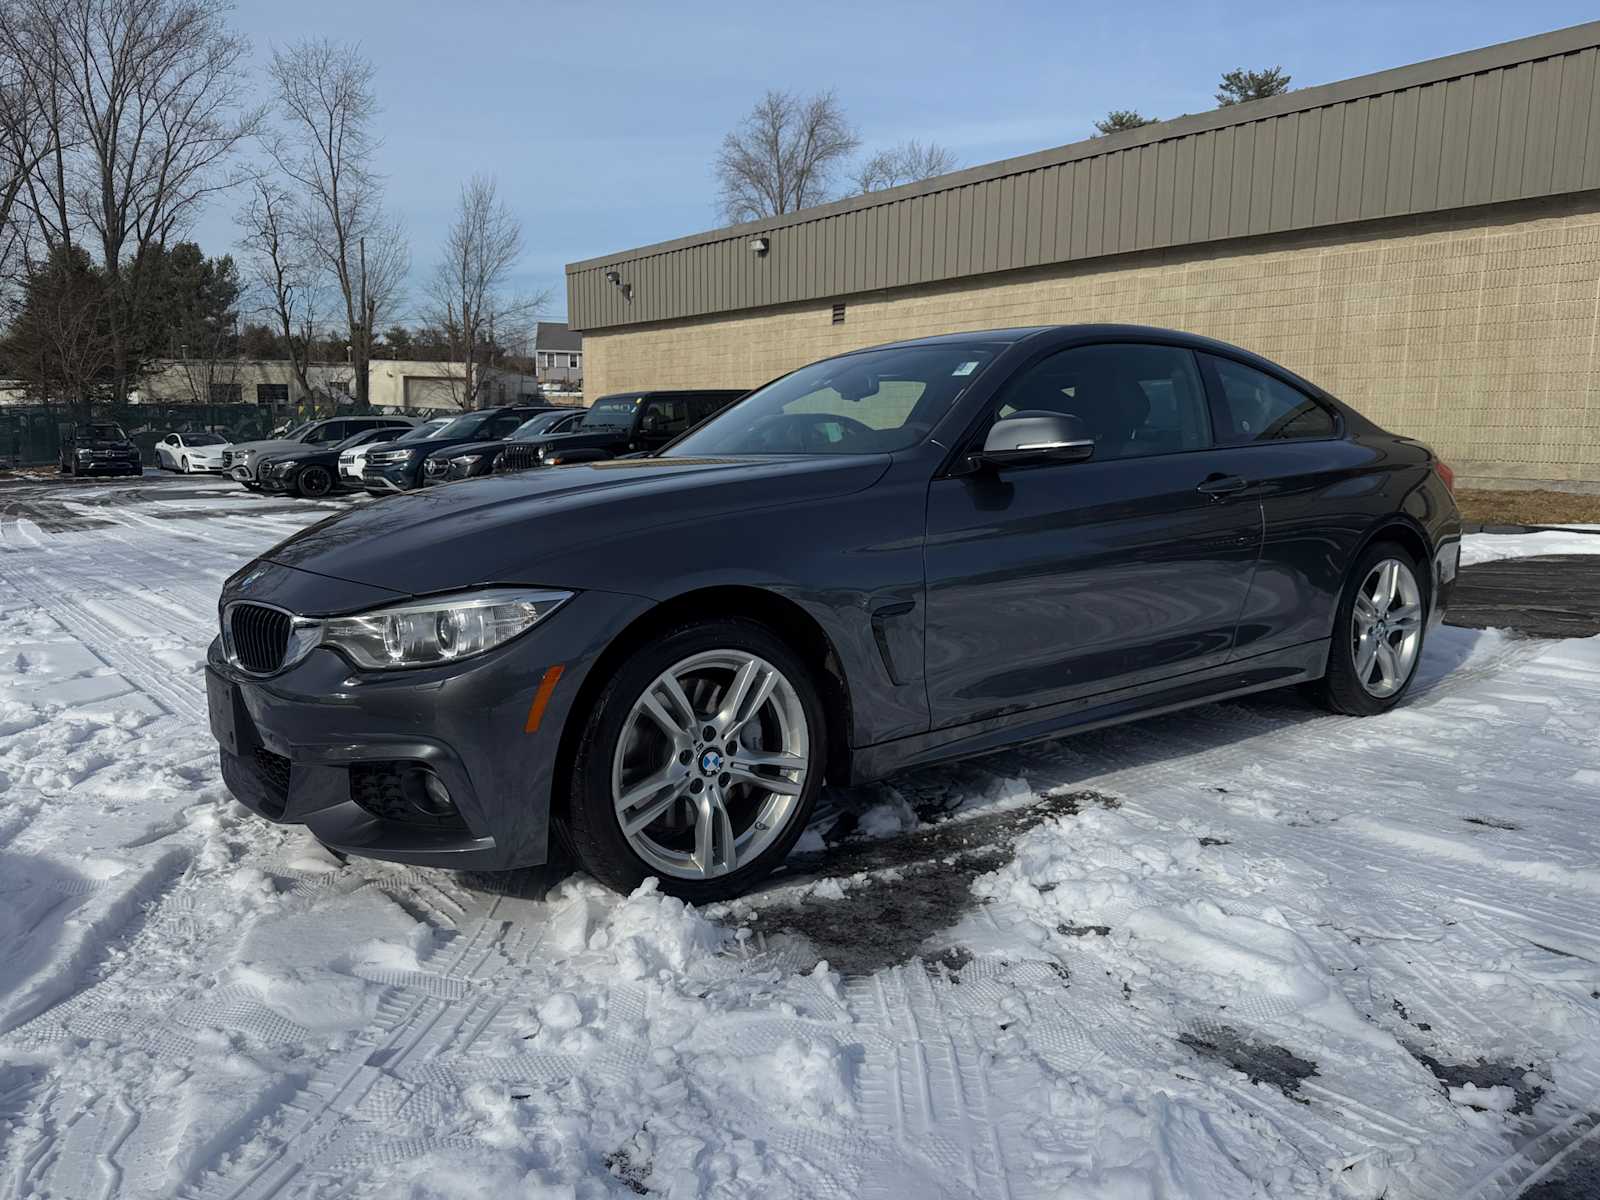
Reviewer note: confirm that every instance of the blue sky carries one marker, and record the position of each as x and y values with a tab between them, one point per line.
600	120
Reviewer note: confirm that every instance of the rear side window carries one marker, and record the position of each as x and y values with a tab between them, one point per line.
502	426
1255	407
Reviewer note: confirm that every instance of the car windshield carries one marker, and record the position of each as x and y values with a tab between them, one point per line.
202	439
866	403
466	425
356	439
107	433
534	426
294	433
419	433
611	412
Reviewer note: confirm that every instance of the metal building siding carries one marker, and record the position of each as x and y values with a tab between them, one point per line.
1482	127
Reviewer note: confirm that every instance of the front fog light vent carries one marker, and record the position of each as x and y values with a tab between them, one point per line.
408	792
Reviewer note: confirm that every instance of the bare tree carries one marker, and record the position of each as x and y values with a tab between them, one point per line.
783	156
141	104
1240	85
22	137
325	97
470	293
905	163
278	268
1120	119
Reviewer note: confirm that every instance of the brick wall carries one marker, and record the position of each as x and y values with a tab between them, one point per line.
1481	335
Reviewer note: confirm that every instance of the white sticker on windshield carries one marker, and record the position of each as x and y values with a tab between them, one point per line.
966	368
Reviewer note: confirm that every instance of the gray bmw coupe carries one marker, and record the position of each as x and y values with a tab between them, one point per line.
885	559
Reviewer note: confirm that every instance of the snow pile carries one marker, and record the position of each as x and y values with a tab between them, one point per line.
1492	547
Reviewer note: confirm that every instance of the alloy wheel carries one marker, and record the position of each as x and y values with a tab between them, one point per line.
315	482
1386	627
711	764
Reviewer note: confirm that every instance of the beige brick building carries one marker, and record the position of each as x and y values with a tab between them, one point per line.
1425	243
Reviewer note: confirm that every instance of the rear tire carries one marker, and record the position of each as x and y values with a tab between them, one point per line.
768	822
1356	683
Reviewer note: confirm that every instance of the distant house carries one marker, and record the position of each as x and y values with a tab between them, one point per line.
558	354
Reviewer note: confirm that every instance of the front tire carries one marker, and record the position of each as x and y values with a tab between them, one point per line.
700	763
314	483
1377	634
187	469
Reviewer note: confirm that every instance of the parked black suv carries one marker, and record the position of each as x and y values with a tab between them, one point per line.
625	423
398	468
99	446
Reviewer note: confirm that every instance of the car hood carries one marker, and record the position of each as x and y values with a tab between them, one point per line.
103	444
204	451
239	448
552	527
450	451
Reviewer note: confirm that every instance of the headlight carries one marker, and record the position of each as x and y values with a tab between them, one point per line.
544	453
468	460
85	453
422	632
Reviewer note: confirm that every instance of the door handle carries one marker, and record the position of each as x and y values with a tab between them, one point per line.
1223	485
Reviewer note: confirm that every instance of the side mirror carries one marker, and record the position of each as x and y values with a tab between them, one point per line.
1033	438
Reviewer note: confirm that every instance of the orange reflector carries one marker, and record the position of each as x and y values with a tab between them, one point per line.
541	698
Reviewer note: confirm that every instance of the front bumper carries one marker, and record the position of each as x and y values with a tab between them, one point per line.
392	477
114	466
288	742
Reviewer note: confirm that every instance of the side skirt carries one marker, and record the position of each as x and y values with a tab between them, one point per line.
1280	668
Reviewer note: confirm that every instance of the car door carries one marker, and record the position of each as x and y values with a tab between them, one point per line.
1055	582
1319	493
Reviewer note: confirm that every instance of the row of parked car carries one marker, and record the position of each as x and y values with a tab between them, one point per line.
383	455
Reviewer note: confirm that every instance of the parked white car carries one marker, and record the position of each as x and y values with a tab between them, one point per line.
352	462
189	452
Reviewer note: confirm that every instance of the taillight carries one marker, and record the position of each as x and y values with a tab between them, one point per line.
1446	474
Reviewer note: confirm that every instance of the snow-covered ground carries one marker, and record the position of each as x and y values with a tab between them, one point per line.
1249	950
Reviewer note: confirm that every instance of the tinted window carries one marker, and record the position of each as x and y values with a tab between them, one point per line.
867	403
611	412
1134	400
701	407
503	425
202	439
466	425
664	417
542	423
1255	407
104	433
333	431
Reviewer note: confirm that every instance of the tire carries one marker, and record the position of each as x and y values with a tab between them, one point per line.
252	487
185	467
1344	688
589	825
314	483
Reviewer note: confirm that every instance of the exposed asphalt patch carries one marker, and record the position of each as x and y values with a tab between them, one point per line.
1260	1062
1483	1074
1555	595
916	885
